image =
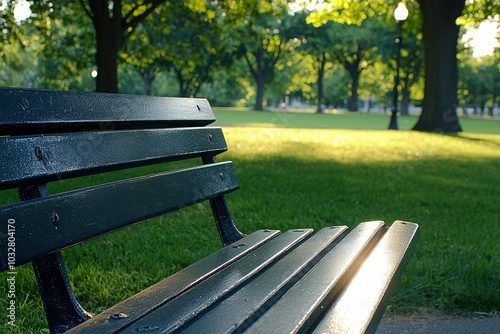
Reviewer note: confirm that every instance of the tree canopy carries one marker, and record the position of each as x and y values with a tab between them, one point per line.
254	53
440	35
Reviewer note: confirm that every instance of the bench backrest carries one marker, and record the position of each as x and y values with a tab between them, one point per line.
49	136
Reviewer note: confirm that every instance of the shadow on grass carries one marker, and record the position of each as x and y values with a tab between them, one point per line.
494	140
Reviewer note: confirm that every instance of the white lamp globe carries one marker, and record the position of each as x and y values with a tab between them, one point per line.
401	12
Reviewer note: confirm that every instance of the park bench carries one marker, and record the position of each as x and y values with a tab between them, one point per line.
335	280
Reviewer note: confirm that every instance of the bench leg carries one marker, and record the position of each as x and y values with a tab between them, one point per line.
62	309
228	231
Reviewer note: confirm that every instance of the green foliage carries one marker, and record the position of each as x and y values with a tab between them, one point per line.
356	48
478	10
182	37
337	88
411	64
295	74
18	66
443	12
377	83
8	26
479	84
231	86
342	11
230	51
261	43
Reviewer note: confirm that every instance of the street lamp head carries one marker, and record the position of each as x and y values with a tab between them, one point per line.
401	12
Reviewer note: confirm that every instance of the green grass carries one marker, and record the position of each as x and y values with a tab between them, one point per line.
341	120
292	178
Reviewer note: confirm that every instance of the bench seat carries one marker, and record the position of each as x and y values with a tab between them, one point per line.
272	282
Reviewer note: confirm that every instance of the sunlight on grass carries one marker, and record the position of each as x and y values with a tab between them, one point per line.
355	146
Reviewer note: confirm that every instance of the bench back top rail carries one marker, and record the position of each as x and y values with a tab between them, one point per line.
25	111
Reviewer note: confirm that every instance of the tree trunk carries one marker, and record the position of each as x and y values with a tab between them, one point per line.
112	29
354	71
107	62
260	79
441	74
405	101
109	39
353	100
321	74
259	72
183	85
261	69
147	79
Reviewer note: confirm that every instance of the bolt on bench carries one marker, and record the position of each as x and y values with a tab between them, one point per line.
335	280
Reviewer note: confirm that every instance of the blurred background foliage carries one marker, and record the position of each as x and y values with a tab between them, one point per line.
331	54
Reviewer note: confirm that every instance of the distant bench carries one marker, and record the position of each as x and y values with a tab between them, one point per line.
334	280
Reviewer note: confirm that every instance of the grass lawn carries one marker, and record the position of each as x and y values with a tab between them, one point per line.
341	120
292	177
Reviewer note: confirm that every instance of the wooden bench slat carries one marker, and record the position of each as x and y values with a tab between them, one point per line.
164	291
251	300
59	221
374	281
41	159
26	111
301	305
172	315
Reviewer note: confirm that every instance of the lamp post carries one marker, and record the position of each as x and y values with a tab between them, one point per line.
400	14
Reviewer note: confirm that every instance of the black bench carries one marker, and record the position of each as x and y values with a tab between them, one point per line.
334	280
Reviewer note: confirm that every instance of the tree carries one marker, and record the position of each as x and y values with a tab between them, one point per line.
52	46
440	33
337	87
376	85
196	46
181	38
66	58
412	61
412	66
143	51
295	77
17	65
355	49
479	84
232	86
441	72
315	42
257	26
114	22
